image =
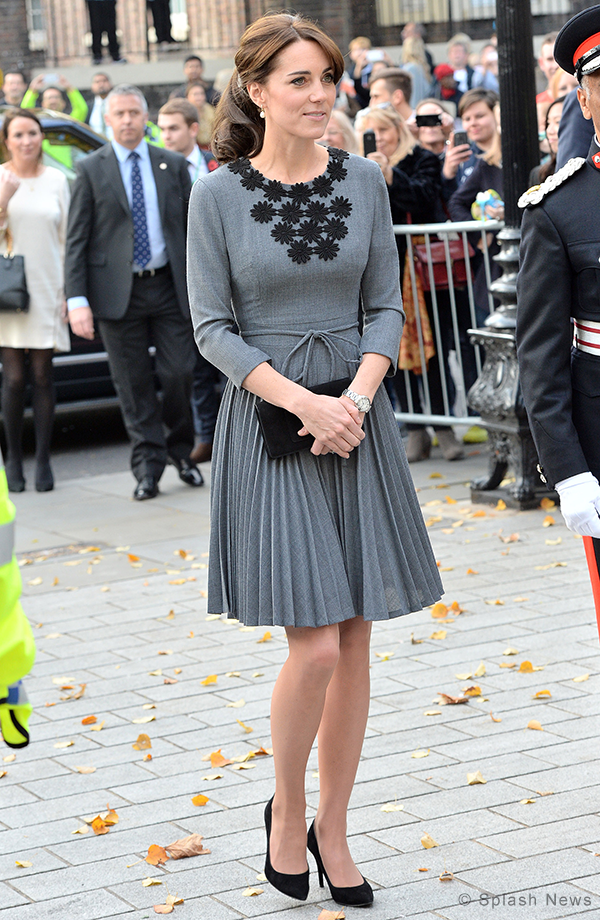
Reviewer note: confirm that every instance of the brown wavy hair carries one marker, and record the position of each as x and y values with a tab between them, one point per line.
239	130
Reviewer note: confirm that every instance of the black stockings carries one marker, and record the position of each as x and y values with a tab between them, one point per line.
14	374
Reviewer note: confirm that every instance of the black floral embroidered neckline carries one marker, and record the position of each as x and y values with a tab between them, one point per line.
307	226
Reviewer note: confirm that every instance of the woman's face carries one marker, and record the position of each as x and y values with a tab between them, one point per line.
299	93
386	136
432	136
566	83
197	96
334	136
479	123
554	116
24	140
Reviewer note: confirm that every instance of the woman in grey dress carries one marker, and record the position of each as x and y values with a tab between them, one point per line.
290	241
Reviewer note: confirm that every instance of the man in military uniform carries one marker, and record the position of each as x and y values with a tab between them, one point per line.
559	280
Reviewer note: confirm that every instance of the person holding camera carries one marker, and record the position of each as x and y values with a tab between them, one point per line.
287	241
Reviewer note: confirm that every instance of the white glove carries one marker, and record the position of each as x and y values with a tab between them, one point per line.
580	504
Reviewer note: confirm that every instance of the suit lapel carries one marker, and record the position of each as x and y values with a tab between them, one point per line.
113	177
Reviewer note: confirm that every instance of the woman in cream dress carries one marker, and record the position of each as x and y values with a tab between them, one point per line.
34	203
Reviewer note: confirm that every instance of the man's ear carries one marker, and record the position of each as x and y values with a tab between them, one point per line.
583	102
398	98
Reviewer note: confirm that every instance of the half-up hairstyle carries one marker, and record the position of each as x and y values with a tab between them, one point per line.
239	130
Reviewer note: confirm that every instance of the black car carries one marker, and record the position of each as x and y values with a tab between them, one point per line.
81	375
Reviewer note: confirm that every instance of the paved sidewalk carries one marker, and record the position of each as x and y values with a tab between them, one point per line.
116	592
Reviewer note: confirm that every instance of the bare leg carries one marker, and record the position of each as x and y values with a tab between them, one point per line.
296	708
341	735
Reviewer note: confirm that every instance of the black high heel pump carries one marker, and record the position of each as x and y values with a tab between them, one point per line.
356	896
295	886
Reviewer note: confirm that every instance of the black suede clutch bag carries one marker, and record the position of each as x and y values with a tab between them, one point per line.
280	428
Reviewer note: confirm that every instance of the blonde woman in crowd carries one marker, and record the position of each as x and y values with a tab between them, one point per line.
340	133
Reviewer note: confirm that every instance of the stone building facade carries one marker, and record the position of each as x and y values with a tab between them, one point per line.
59	28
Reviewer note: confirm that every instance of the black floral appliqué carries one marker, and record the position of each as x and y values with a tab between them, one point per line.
308	225
263	212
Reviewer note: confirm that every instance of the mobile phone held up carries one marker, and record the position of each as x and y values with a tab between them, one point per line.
369	143
460	138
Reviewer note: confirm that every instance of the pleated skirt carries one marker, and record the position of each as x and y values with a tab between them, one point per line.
311	541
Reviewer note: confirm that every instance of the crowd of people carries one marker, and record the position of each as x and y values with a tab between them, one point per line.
436	136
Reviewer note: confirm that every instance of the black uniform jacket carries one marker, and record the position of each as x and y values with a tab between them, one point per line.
559	278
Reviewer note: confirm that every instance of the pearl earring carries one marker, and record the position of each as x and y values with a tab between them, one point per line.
262	112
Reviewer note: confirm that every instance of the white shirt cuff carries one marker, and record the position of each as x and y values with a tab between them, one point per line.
74	303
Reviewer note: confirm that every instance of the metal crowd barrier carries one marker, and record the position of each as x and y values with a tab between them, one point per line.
452	311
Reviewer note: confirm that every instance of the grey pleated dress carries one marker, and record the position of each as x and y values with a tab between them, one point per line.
304	540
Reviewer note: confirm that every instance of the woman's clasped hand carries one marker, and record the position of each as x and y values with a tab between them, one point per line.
335	424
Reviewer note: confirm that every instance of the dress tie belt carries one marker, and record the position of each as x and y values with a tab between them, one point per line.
329	338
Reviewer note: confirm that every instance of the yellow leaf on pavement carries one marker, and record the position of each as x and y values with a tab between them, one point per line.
541	694
247	728
526	667
252	892
428	842
474	779
446	876
237	705
527	802
433	712
143	743
211	679
500	505
23	863
547	504
85	769
419	754
472	691
439	611
98	727
143	719
331	915
267	636
392	806
200	800
548	521
507	664
64	744
581	678
535	725
148	882
480	670
439	634
466	676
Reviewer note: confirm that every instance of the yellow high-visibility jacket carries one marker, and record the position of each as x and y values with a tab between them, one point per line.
17	646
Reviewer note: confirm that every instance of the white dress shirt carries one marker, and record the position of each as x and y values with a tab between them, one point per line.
155	234
196	164
97	122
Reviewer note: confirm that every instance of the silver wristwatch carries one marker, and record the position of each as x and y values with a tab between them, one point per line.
362	403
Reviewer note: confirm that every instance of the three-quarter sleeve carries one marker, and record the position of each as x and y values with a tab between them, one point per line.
380	284
209	289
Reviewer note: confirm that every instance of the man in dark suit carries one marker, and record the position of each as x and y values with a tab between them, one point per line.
125	269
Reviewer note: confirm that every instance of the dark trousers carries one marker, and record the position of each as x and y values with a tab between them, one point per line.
438	364
153	318
103	18
161	17
205	399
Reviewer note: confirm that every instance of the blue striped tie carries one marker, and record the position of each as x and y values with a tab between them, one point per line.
141	242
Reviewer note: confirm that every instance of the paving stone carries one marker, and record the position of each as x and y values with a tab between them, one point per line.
90	905
10	898
547	838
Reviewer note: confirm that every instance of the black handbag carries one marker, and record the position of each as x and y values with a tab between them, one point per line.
280	428
14	296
